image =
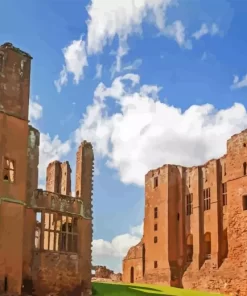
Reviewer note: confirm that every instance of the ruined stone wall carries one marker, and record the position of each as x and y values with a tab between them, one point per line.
65	178
30	215
133	264
56	273
103	272
14	99
14	81
58	177
84	188
223	267
156	198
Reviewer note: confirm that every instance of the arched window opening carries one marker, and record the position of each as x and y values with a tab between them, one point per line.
190	248
207	245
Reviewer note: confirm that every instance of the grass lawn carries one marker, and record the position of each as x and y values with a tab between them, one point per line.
106	289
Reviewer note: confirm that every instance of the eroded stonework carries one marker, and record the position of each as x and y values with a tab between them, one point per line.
45	235
195	225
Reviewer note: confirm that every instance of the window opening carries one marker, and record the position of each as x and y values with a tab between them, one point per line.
155	212
244	168
207	199
244	202
5	284
189	204
1	62
156	182
224	194
60	233
9	170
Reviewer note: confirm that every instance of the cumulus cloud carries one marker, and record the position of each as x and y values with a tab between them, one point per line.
35	109
146	133
117	248
75	57
237	83
205	30
51	149
121	19
99	69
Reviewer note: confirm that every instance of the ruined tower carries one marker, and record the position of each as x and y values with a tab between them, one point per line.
58	177
83	189
15	68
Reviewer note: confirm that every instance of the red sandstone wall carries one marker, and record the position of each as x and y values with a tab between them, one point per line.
133	264
58	178
30	215
15	82
84	189
225	271
14	99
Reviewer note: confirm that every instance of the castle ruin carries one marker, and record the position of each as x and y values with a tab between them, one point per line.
45	236
195	233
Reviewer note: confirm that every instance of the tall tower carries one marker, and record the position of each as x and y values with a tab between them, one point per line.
15	67
84	188
59	177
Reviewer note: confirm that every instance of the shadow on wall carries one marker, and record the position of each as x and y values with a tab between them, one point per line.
100	289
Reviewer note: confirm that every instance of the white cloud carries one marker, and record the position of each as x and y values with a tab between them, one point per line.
51	149
134	66
205	30
99	69
177	31
35	110
237	83
116	248
121	19
146	133
75	57
62	80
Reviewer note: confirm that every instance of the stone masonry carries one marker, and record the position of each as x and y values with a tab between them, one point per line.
45	236
195	225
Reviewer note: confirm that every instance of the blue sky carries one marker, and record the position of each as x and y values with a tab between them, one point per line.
148	82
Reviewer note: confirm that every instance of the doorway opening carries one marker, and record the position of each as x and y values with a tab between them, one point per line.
132	275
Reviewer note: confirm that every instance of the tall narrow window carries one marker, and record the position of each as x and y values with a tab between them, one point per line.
244	168
155	227
9	170
60	233
155	239
189	204
155	212
155	264
244	202
1	62
207	245
5	284
156	182
224	169
207	199
224	194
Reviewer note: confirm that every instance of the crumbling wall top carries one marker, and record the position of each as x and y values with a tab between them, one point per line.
51	201
9	45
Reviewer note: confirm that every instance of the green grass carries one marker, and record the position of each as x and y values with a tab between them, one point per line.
106	289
